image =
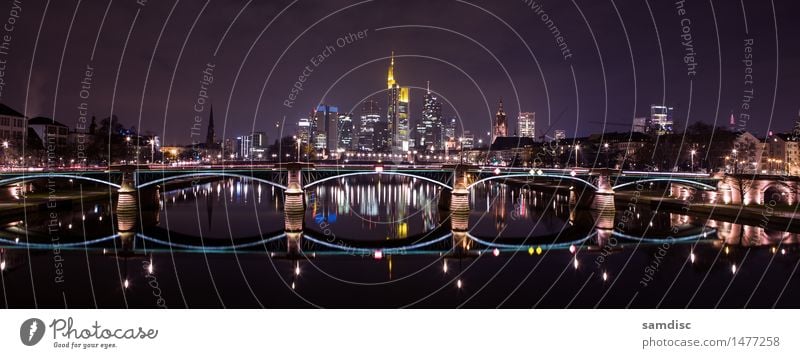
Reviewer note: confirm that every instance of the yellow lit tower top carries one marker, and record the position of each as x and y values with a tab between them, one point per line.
390	79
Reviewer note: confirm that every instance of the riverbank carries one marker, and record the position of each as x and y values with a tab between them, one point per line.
775	218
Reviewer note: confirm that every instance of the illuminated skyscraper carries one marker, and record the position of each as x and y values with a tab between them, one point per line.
326	123
345	131
527	124
397	112
304	130
500	123
368	137
429	128
660	121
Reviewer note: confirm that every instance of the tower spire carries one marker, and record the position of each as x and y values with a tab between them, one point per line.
210	134
390	78
429	87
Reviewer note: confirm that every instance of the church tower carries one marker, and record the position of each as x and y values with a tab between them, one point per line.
500	123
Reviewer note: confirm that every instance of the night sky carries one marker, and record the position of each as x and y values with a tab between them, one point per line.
149	60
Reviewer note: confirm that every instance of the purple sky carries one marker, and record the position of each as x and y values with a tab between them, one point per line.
473	53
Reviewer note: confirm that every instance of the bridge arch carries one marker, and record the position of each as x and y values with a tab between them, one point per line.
693	183
528	175
208	174
344	175
26	177
777	192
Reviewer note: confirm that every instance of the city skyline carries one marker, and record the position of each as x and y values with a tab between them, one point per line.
179	77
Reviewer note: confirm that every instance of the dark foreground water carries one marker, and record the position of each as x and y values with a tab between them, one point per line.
384	242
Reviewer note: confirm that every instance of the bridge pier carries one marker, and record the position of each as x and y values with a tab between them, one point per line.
294	205
457	199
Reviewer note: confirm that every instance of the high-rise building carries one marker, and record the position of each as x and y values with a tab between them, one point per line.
397	112
660	121
560	134
370	115
258	145
527	124
639	125
346	130
429	128
449	133
326	122
243	146
467	141
304	130
500	123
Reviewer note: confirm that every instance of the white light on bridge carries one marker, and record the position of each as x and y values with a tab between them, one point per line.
496	252
572	249
496	171
378	254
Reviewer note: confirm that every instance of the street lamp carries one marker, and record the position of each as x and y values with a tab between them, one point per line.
298	147
577	148
5	152
693	153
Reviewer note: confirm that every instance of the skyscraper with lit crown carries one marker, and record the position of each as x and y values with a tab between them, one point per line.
397	112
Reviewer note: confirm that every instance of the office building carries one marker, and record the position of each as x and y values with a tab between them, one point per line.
527	124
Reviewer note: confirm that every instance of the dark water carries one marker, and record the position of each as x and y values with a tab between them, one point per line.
385	242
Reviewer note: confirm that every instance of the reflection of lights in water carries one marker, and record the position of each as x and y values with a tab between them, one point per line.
774	249
2	265
100	218
16	240
575	263
293	285
651	223
727	250
496	252
605	276
150	267
69	226
126	283
458	283
297	269
733	268
83	218
691	257
444	267
783	251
